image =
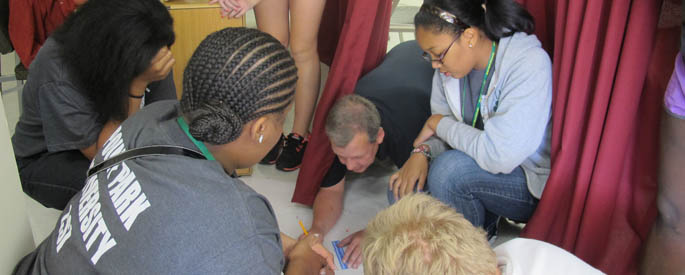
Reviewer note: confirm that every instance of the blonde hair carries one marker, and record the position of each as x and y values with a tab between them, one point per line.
421	235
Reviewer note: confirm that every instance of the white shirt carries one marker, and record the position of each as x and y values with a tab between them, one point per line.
528	256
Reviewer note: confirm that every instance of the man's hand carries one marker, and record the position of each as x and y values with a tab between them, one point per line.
412	172
428	130
353	252
312	230
159	69
310	253
235	8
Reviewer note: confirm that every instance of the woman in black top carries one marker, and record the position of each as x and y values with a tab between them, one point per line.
89	76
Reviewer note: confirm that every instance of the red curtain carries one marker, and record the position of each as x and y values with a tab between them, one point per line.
353	39
599	199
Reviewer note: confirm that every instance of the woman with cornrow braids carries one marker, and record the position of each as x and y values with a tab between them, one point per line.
160	198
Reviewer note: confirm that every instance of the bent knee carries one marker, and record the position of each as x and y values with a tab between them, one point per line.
452	163
454	159
670	215
448	172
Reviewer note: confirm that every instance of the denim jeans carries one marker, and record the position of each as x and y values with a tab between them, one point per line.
53	178
482	197
391	195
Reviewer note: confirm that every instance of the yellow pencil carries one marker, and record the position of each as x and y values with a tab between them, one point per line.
303	229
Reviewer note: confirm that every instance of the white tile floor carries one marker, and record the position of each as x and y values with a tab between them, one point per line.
364	197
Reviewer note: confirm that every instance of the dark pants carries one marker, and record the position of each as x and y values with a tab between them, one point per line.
53	178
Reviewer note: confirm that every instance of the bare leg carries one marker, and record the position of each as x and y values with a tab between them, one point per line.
305	19
272	18
665	248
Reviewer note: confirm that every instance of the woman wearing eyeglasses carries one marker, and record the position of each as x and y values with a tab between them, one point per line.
489	133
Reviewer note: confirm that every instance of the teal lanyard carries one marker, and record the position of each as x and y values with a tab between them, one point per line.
482	87
199	144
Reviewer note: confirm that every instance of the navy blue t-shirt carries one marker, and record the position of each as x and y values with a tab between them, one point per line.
400	89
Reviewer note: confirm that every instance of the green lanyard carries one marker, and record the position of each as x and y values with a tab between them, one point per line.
199	144
482	87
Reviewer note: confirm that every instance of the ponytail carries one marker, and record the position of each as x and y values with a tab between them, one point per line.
496	18
505	17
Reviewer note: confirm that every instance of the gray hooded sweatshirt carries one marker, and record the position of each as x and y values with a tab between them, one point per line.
516	113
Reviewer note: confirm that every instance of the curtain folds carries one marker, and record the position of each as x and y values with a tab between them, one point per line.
353	39
597	203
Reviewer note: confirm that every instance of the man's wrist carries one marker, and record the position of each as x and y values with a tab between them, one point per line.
316	230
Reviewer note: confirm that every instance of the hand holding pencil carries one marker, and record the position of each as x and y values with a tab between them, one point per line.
318	246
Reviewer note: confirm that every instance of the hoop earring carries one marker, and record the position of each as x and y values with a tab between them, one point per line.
261	138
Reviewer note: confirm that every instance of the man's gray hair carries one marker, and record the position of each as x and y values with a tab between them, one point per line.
350	115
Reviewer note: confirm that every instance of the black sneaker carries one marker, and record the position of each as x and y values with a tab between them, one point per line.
492	231
293	151
275	152
492	238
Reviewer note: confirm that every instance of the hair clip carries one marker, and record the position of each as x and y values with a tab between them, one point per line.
447	17
444	15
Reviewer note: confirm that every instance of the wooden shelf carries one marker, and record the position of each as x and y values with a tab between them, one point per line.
189	4
193	21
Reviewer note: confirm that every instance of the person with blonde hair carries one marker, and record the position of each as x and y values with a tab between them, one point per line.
421	235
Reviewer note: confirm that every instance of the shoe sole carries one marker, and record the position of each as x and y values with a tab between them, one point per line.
271	162
288	169
268	162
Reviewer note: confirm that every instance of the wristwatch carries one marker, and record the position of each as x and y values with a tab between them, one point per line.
423	149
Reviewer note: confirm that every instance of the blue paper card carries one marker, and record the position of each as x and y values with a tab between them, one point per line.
340	253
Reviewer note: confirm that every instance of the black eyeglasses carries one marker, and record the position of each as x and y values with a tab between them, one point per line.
447	17
427	56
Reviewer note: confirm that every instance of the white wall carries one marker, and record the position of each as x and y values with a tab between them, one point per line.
16	239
